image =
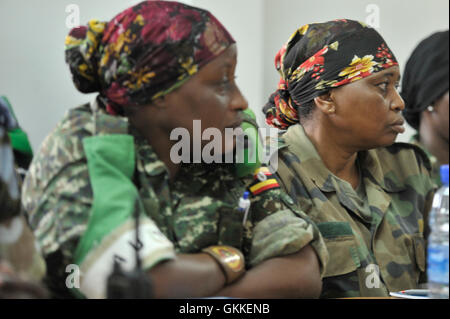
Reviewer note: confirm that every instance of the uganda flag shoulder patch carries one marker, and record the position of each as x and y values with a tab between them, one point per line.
264	181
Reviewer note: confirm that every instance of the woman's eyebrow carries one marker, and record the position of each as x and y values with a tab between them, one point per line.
393	75
227	65
389	74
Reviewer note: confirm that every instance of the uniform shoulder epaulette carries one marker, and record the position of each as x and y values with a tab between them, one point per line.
263	180
420	153
106	124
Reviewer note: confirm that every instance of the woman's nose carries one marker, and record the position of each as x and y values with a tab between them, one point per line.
397	104
238	102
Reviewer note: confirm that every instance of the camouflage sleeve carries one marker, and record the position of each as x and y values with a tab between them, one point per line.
17	245
280	229
58	204
57	198
57	194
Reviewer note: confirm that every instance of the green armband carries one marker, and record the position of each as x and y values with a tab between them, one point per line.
248	159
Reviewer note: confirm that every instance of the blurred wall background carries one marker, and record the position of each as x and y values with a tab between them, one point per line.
34	77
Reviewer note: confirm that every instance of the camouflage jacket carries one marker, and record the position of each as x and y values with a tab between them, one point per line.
435	166
379	229
17	244
197	210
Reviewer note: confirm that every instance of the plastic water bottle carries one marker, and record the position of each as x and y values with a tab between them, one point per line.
438	241
244	206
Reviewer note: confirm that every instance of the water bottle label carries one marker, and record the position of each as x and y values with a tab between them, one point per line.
438	264
436	201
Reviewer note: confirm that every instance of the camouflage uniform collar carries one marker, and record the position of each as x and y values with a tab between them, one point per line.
201	169
298	143
153	166
148	161
104	123
415	140
435	165
273	145
371	168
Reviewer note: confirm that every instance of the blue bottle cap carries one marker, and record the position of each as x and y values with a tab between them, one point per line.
246	195
444	174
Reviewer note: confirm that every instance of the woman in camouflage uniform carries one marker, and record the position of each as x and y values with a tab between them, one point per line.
158	66
338	104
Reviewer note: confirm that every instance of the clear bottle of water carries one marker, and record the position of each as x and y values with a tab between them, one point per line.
438	241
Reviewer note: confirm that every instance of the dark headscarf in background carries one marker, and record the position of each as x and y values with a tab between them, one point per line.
144	53
322	56
7	120
425	79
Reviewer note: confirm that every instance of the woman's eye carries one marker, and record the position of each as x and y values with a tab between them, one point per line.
383	86
226	82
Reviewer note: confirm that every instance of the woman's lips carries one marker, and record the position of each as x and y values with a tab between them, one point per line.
399	126
235	124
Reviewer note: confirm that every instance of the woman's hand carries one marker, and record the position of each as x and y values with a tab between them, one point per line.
187	276
291	277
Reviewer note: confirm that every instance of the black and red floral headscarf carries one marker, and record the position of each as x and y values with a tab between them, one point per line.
322	56
144	53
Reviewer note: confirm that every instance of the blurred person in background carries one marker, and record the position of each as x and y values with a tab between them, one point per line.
425	91
23	153
21	266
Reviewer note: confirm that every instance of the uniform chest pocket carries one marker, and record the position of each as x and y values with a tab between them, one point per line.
195	223
341	246
205	221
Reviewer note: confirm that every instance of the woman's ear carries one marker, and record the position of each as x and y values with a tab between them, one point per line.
325	103
137	111
144	115
137	115
160	102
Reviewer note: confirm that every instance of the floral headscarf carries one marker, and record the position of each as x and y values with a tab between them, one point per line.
144	53
322	56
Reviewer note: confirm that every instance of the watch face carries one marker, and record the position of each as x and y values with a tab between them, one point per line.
229	256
